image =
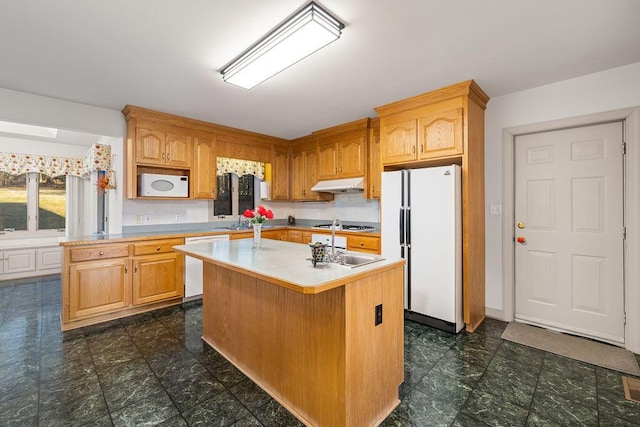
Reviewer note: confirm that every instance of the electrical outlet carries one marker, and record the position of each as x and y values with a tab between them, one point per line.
378	314
138	219
495	209
177	217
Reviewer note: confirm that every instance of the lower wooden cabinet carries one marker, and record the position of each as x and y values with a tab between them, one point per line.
98	287
106	281
274	234
364	244
157	277
294	236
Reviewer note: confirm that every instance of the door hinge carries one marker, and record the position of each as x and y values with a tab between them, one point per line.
624	233
624	148
625	318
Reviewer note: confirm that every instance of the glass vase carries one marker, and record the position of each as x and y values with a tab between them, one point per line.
257	230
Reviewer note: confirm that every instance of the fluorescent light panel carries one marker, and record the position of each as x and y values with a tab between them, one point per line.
306	31
31	130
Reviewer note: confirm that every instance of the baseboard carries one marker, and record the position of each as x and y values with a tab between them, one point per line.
493	313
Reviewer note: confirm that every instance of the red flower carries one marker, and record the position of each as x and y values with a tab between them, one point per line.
261	210
249	214
269	215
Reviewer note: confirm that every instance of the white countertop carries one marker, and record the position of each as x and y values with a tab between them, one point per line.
281	263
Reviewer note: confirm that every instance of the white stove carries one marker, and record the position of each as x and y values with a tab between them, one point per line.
346	227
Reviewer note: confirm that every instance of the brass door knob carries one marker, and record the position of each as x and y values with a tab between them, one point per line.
521	225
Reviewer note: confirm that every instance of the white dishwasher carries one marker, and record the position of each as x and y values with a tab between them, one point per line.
193	267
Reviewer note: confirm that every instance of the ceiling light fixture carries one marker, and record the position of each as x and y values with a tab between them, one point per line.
306	31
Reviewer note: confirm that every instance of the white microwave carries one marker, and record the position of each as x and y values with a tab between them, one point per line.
157	185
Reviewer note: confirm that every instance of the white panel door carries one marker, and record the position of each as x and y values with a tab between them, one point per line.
569	231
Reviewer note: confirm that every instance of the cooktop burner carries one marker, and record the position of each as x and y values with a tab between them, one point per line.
346	227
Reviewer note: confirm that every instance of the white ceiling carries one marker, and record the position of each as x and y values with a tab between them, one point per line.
165	54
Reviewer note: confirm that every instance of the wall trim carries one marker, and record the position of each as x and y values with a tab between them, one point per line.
493	313
632	212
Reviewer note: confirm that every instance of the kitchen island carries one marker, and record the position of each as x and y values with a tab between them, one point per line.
327	343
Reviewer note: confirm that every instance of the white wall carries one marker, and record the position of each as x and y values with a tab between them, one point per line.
21	107
595	93
346	207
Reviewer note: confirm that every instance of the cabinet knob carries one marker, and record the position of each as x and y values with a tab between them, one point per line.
361	243
126	270
158	248
167	157
101	253
162	156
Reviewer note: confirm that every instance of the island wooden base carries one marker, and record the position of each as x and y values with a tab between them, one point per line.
320	355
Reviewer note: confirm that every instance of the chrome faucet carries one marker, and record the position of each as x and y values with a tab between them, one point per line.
336	223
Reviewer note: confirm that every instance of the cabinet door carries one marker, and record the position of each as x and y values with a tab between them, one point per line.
280	178
311	173
398	142
157	277
204	170
364	244
295	236
298	176
351	157
179	150
375	173
306	236
49	258
150	147
97	287
20	261
270	234
440	135
327	167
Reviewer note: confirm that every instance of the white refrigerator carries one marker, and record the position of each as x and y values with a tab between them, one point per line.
421	222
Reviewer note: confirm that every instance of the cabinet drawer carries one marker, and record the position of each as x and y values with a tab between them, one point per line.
99	252
156	246
361	243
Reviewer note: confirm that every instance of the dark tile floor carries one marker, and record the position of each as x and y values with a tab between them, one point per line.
153	369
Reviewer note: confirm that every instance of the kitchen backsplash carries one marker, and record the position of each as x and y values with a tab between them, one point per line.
346	207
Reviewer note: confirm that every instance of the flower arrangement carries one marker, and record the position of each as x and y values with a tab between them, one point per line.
107	181
259	215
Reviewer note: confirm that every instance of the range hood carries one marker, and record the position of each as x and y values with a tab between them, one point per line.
346	185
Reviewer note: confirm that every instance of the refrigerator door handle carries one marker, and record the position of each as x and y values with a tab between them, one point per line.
401	222
408	227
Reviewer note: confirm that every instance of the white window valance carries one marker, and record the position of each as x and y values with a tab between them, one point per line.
98	158
240	167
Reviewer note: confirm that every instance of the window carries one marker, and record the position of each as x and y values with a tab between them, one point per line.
32	202
235	194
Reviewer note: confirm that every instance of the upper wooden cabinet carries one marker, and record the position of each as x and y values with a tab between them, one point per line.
280	175
304	171
342	159
435	134
374	175
204	176
166	144
438	128
160	148
342	150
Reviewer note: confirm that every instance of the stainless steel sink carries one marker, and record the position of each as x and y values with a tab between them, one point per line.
352	260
